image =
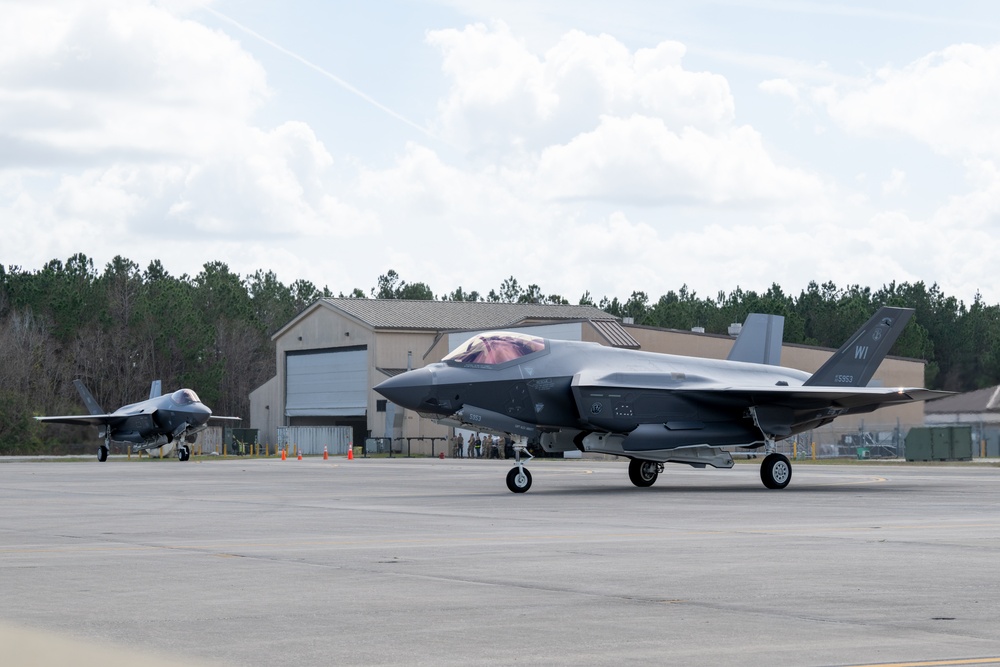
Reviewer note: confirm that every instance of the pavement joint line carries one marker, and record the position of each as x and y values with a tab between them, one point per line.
957	662
493	538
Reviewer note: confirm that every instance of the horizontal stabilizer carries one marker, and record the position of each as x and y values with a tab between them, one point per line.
83	420
848	398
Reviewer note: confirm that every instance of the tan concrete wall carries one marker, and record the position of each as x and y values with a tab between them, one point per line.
669	341
266	411
390	351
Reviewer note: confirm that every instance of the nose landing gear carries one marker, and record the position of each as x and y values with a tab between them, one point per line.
519	479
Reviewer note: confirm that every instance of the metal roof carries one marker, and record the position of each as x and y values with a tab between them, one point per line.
458	315
615	333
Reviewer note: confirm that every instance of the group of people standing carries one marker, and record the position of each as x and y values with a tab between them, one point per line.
478	447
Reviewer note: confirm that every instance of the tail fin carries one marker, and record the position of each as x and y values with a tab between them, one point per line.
154	389
88	398
759	341
854	364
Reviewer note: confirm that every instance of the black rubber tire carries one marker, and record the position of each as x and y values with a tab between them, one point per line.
517	482
102	453
775	471
184	454
642	473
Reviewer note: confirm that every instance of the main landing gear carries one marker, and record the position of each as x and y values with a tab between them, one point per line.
643	473
105	449
775	471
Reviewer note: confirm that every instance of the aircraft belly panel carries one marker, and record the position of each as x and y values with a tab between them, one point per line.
126	436
648	437
134	428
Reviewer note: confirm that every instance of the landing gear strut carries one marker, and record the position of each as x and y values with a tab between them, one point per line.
519	479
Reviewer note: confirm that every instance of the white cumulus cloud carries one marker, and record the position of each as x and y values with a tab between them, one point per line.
947	100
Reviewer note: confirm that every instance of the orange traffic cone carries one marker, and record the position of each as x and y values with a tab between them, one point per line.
300	455
350	452
326	456
283	454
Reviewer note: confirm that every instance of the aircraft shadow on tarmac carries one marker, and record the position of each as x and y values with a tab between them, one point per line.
868	486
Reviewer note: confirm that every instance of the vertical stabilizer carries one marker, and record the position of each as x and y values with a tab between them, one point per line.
854	364
88	398
154	389
759	341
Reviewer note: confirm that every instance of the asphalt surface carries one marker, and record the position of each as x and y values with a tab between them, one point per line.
431	562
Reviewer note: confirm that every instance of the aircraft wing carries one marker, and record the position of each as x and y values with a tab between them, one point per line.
848	397
224	419
845	399
93	420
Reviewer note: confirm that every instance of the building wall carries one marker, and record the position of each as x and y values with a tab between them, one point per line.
393	350
266	410
686	343
320	327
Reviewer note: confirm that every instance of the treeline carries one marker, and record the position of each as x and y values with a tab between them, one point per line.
119	328
959	342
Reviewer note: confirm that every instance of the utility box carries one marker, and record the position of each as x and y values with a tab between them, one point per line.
939	443
377	445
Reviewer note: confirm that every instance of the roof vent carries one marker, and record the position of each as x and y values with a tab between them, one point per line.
735	328
628	320
698	329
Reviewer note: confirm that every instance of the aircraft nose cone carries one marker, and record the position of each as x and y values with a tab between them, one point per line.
409	389
200	413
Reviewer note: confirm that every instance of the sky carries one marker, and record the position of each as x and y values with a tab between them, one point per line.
581	146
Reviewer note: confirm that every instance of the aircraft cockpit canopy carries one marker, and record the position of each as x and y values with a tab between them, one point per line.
185	397
495	348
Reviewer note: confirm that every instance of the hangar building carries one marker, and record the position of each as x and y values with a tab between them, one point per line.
979	409
331	354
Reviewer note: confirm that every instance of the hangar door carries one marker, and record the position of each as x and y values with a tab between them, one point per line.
327	383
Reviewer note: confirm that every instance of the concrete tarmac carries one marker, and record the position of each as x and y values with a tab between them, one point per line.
430	562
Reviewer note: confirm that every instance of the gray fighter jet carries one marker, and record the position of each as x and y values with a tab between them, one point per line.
652	408
157	421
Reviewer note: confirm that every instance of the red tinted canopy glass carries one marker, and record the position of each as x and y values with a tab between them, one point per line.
497	347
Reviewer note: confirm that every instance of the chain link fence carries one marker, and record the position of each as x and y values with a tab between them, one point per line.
877	441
